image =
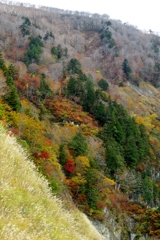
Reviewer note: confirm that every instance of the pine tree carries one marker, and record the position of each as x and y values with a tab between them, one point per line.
59	50
72	86
90	188
54	51
44	89
100	113
25	27
79	144
114	156
126	68
147	189
62	154
74	66
2	63
90	97
34	50
12	99
131	152
11	72
103	84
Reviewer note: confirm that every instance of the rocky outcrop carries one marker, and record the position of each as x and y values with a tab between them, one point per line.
109	228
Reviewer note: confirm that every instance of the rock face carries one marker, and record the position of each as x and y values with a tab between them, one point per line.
106	231
109	229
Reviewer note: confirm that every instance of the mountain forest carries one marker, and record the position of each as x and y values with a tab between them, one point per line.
79	94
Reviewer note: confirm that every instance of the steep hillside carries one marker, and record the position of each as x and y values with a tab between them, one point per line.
28	209
80	92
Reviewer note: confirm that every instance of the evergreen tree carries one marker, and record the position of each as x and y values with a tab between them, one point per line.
143	143
126	68
11	72
34	50
44	89
2	63
147	190
89	98
54	51
62	154
100	113
115	118
47	35
12	99
76	87
90	188
25	27
128	143
131	152
103	84
79	144
114	150
114	157
72	86
106	34
74	66
9	81
51	35
59	50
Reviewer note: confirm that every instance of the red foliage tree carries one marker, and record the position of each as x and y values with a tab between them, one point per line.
42	154
69	166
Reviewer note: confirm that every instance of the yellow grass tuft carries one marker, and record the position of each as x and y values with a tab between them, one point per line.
28	211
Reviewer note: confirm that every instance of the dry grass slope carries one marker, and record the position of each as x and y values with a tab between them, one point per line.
28	211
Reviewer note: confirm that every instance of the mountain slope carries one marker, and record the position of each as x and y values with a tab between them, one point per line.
63	78
27	208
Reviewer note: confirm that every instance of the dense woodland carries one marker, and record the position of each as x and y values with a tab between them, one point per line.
80	92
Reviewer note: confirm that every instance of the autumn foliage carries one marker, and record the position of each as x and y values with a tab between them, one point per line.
69	166
89	118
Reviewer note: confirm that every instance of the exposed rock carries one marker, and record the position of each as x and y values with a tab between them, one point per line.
109	228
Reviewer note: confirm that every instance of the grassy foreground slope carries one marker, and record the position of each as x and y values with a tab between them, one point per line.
27	208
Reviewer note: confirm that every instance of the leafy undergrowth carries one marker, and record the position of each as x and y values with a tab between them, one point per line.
28	210
67	111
